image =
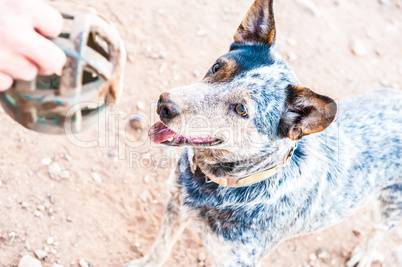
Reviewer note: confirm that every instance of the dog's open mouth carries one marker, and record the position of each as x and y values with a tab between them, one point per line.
161	134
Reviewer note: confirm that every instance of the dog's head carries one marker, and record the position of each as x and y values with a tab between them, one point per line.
248	102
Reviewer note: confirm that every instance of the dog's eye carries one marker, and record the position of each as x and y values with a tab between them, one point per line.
215	68
241	110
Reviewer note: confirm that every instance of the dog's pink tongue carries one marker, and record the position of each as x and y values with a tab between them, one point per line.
160	133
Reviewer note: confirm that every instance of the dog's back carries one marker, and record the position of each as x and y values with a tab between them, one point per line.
371	126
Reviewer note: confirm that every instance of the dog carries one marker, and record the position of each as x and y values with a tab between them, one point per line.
267	159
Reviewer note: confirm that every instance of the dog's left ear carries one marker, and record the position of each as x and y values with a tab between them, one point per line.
306	113
258	27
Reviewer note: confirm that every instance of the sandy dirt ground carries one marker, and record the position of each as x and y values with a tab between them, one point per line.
107	208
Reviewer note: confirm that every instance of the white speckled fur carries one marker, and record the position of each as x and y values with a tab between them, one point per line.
332	173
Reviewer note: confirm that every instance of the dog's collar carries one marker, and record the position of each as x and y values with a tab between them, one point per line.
259	176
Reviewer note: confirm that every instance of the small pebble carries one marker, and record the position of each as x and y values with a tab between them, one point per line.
40	254
384	82
144	196
46	161
138	122
292	57
40	207
30	173
356	233
27	245
50	240
201	33
140	105
312	257
25	205
54	171
51	212
28	261
37	213
146	179
163	67
131	58
293	248
359	49
322	254
154	56
292	42
65	175
82	263
52	199
378	52
309	6
68	157
96	178
345	253
46	204
110	154
385	3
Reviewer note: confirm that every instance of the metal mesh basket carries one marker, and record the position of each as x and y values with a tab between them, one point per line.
91	79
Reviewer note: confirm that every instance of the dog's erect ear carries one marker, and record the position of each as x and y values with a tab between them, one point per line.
258	27
306	113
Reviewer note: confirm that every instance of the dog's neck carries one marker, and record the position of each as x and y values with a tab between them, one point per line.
222	163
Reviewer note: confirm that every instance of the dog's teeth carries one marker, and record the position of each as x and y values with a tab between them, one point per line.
170	139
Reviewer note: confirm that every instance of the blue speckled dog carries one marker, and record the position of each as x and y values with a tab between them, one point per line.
268	160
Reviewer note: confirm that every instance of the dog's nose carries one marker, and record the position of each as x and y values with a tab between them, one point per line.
167	109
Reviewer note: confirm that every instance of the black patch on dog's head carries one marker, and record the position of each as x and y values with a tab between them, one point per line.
241	58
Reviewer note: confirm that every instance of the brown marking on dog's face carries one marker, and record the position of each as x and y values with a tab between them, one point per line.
307	113
258	26
229	69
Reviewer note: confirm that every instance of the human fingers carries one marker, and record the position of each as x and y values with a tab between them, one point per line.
5	81
48	57
46	20
17	66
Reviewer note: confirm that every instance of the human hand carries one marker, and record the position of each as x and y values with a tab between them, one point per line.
24	50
